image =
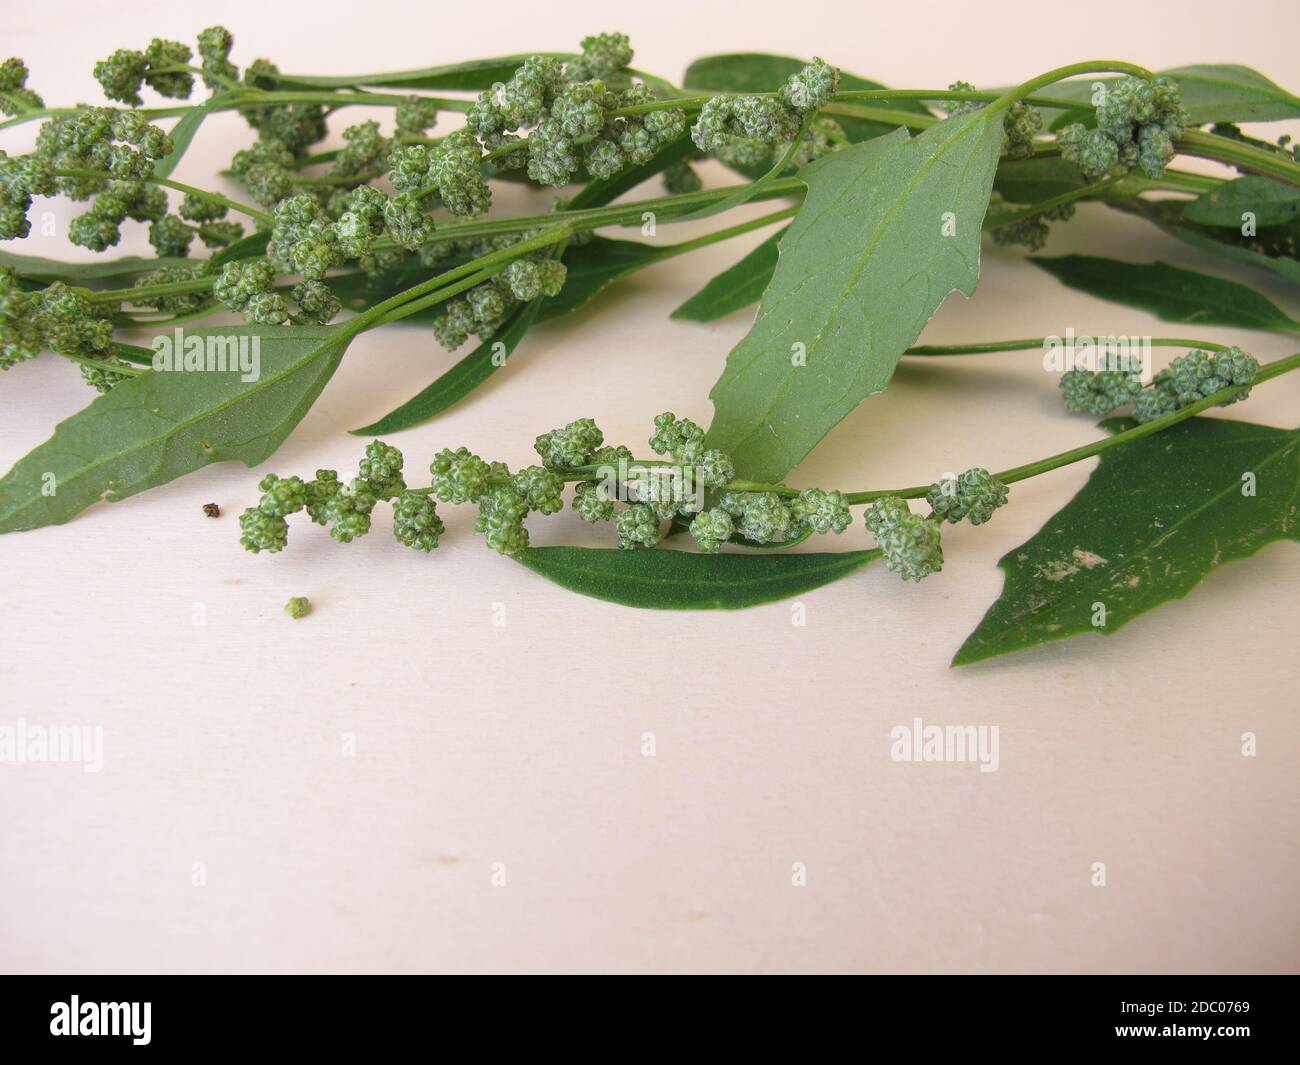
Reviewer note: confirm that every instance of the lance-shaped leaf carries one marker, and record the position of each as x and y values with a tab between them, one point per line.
161	425
37	272
458	382
674	580
1170	293
888	229
1155	517
737	286
1267	249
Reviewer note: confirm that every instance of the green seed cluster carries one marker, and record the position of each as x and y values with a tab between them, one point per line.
743	130
1099	391
298	607
345	507
909	543
1137	124
123	73
1193	377
1020	125
571	113
15	97
484	309
1032	232
58	318
639	497
1188	379
973	495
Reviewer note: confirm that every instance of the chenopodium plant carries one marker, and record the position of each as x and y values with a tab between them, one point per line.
392	223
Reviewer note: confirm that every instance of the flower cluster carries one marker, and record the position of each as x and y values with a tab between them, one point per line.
743	130
1020	125
973	496
15	97
484	309
573	114
346	507
1137	124
1099	391
60	318
161	66
909	543
1188	379
1032	232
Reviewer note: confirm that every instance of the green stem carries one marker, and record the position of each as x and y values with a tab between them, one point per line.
409	301
212	197
1078	454
99	364
1092	66
992	221
1041	342
1234	153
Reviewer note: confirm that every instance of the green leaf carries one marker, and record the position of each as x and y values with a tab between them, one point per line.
865	264
1262	250
737	286
248	247
1169	293
1029	181
1211	93
476	75
183	132
459	381
93	274
1156	516
1271	202
159	426
674	580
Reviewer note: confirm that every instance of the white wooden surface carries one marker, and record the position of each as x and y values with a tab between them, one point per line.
521	744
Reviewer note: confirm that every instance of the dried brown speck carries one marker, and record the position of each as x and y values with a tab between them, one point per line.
212	510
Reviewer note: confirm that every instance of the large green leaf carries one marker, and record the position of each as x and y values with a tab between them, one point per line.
888	229
1169	293
737	286
159	426
674	580
1265	250
1211	93
1156	516
1271	202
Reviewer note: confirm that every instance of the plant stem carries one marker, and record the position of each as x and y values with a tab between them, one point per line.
1235	153
1041	342
213	197
1065	458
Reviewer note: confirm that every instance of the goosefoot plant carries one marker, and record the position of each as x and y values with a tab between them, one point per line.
881	187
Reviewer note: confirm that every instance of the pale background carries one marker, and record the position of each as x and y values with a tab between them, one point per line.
521	744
